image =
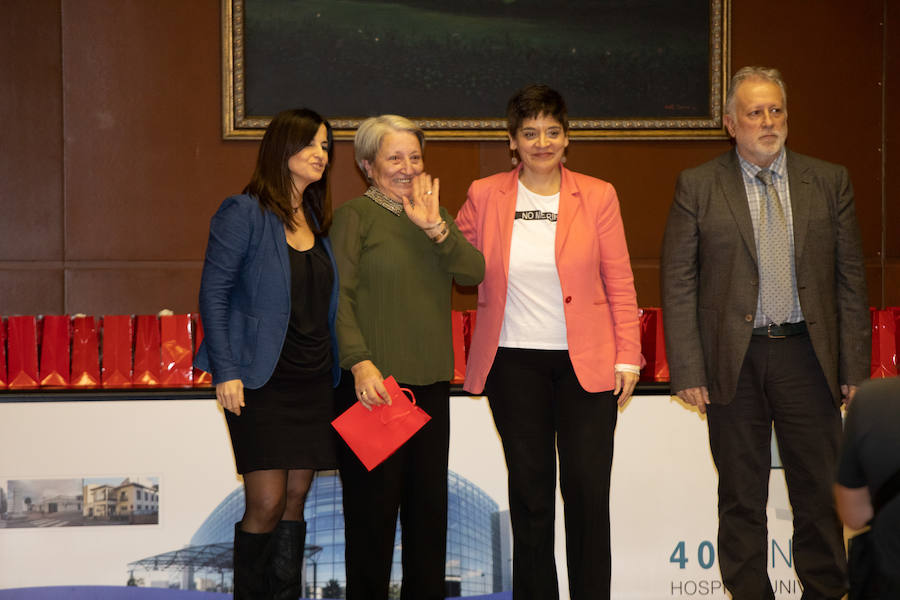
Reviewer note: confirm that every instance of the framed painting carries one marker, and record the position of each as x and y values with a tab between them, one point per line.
629	69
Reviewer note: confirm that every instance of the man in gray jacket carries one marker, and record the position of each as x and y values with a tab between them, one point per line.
766	322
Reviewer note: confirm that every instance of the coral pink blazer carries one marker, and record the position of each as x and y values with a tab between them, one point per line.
600	304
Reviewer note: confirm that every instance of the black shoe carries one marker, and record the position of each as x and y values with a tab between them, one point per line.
251	558
288	541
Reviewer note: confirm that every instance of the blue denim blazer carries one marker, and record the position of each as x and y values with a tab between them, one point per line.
245	294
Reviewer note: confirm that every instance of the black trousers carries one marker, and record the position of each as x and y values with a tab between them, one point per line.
414	481
780	382
540	408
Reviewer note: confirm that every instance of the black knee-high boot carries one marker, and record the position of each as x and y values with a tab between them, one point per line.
252	553
288	541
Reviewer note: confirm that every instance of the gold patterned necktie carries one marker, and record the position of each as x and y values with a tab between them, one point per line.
774	255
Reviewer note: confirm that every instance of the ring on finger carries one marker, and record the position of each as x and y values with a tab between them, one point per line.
429	192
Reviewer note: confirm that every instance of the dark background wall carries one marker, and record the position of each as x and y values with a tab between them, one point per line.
112	162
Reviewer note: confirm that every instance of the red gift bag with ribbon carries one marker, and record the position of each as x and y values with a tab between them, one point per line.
85	353
201	378
3	381
118	336
375	434
653	346
55	339
22	352
146	351
175	350
884	343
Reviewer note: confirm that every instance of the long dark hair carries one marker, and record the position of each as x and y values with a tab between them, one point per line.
288	133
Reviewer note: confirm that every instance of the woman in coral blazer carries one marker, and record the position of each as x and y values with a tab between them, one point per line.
556	342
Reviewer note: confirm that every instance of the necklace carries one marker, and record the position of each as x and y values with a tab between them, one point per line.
383	200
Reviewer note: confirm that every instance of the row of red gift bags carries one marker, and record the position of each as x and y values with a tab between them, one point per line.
885	341
118	351
115	351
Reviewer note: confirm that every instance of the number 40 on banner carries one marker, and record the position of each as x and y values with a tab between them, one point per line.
706	555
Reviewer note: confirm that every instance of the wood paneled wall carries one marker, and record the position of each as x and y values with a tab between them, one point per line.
112	162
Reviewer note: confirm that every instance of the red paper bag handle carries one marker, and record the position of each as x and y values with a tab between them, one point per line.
403	414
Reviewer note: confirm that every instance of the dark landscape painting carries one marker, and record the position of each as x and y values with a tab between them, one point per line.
459	60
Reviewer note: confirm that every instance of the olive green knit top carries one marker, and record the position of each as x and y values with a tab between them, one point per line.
395	284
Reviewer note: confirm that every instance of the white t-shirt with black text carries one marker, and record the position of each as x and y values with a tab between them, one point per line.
534	316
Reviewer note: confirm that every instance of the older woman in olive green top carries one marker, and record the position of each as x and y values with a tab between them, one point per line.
397	253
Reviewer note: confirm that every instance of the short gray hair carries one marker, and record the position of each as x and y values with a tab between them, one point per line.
371	132
745	73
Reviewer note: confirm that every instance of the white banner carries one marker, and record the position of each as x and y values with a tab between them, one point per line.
663	501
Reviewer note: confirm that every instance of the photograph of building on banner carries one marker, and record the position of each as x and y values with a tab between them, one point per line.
90	501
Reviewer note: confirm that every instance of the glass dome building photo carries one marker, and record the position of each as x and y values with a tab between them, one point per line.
474	546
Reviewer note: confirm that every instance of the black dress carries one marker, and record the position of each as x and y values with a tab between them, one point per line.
286	423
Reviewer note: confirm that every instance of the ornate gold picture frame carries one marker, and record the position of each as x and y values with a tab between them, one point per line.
629	69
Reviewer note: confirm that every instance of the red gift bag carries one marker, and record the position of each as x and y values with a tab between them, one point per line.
463	325
85	353
375	434
118	336
175	350
3	381
469	330
201	378
895	311
457	329
22	353
146	351
55	338
884	343
653	346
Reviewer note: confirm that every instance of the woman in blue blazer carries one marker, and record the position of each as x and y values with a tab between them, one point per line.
268	299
